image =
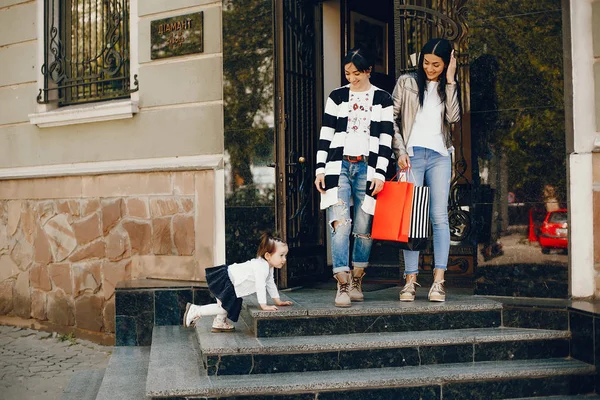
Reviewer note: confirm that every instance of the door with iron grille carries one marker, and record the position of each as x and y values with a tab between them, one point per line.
415	22
299	109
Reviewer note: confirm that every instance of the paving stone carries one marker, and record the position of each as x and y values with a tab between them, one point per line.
36	365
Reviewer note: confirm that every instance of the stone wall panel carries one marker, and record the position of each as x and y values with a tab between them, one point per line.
38	305
3	239
22	296
183	234
87	277
140	236
6	296
183	183
61	277
29	223
41	247
61	237
14	216
161	236
22	254
8	268
89	206
62	254
46	210
112	211
113	273
138	208
39	277
109	316
88	312
163	207
88	229
96	249
187	205
60	309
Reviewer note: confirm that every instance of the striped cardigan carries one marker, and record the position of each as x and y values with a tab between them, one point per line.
333	137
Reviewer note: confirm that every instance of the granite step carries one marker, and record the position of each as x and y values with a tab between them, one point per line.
574	397
313	313
174	372
125	375
84	385
241	353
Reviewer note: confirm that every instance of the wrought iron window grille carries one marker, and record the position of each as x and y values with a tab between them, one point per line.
86	52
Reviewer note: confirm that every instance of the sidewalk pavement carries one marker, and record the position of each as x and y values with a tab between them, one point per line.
39	365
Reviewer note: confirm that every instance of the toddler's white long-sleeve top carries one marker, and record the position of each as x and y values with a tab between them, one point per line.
253	276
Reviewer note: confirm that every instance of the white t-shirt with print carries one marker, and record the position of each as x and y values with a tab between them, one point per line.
360	105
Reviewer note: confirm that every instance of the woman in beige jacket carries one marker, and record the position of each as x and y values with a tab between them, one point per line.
426	104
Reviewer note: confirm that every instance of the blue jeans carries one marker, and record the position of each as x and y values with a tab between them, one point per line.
351	191
434	170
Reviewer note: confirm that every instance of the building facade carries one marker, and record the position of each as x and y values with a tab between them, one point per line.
153	139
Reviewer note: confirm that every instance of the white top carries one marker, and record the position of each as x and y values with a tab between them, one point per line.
427	128
360	105
253	276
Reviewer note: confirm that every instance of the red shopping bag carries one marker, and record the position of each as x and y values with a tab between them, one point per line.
392	212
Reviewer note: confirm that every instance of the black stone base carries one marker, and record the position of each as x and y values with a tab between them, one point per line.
523	280
484	390
142	304
331	325
244	364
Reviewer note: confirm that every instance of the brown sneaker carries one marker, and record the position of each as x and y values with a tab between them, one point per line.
437	291
342	297
355	292
409	291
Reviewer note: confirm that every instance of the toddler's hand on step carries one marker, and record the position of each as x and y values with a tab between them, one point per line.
265	307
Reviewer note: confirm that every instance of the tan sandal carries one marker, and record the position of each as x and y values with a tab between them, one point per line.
222	326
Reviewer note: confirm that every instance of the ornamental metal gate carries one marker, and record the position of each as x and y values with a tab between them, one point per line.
299	110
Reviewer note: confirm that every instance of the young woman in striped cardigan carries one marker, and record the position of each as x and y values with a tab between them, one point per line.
352	157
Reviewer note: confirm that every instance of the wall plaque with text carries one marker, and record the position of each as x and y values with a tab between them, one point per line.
177	36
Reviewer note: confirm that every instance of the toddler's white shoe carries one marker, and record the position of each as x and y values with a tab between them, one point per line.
192	314
222	325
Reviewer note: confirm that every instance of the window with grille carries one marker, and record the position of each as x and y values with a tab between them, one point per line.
86	51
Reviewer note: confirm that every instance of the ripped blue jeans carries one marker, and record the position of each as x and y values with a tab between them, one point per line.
351	191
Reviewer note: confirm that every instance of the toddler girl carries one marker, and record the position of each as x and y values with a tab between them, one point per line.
230	283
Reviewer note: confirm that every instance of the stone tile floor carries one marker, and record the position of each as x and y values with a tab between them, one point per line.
39	365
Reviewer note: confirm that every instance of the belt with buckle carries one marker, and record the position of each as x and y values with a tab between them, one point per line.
355	159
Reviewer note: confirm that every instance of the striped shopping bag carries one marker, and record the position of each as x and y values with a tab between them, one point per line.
418	234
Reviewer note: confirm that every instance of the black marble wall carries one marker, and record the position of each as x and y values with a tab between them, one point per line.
142	304
584	323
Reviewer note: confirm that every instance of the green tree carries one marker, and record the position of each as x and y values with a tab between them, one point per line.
525	38
248	84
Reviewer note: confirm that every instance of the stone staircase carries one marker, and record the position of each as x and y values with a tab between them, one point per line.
379	349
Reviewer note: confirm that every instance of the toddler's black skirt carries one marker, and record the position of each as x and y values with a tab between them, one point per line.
222	288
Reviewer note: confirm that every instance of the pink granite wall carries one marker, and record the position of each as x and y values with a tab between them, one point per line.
62	252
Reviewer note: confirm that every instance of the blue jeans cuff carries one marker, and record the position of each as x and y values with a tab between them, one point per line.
341	269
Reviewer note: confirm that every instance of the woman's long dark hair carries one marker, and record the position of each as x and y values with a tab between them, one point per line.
443	49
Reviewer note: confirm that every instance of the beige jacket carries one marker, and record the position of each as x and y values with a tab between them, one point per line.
406	105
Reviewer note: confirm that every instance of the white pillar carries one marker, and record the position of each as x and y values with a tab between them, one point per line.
581	131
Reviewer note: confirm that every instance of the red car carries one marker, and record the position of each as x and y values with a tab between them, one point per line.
554	231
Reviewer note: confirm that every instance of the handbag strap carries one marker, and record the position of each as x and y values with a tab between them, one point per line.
403	172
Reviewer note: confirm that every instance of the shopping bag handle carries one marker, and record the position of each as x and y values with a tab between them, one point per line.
401	173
